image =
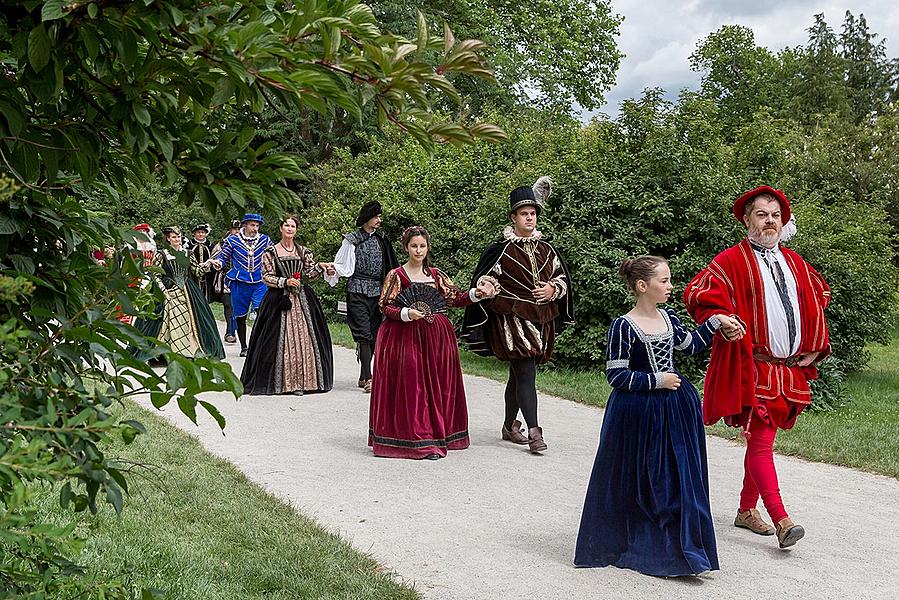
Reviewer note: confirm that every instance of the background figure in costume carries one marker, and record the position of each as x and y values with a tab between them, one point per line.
184	321
200	248
647	506
244	251
221	286
533	305
290	347
418	407
761	382
143	253
365	257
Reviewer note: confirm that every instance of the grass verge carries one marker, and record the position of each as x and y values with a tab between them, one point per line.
197	529
864	434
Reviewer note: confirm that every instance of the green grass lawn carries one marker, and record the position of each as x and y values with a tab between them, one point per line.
864	434
196	528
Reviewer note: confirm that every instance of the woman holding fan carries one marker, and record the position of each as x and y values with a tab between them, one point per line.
418	407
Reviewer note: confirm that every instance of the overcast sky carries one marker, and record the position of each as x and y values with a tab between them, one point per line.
658	36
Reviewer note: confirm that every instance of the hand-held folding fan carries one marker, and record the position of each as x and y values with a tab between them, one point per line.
424	298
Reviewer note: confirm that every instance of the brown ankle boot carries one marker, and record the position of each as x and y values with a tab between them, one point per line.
788	533
515	434
752	520
535	440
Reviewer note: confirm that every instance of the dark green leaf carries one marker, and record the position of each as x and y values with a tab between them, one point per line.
38	48
52	10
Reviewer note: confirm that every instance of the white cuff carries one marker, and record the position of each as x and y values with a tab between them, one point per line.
404	315
659	380
715	322
282	282
473	295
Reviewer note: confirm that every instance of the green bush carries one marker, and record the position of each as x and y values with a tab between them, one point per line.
658	179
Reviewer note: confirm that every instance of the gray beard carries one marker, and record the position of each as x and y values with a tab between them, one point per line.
767	239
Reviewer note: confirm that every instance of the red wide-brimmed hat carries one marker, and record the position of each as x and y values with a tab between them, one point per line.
785	209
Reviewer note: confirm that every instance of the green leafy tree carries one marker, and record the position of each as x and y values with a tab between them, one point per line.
547	53
872	78
97	98
738	75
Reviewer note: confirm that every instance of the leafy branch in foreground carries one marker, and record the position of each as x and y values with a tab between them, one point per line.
97	96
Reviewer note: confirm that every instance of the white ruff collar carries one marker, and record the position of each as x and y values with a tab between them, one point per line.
509	234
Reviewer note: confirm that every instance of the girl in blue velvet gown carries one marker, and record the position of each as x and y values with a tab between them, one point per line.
647	505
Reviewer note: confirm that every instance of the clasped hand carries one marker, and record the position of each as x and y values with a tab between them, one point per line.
328	268
545	292
485	289
731	328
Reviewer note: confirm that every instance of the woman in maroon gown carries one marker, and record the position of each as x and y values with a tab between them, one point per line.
418	407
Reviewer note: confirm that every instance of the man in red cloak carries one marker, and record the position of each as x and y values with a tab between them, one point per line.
761	381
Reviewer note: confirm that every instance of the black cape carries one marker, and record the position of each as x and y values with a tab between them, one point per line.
475	333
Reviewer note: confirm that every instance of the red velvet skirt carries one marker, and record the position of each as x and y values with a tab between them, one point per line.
418	402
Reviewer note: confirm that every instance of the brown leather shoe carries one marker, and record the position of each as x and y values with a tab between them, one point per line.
367	386
788	533
535	440
361	383
514	435
752	520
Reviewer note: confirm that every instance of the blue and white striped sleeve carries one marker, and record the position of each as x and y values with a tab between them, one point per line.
618	372
696	341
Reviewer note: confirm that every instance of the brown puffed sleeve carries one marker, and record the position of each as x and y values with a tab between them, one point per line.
389	291
454	296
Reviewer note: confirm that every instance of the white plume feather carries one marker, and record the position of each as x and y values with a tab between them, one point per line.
542	189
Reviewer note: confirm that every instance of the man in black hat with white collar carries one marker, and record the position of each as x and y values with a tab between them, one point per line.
365	257
534	303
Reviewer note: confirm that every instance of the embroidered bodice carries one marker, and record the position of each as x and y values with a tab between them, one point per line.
277	269
366	278
636	360
177	266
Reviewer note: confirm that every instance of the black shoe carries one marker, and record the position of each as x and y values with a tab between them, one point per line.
243	351
433	456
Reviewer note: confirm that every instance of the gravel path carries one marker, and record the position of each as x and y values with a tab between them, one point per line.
494	522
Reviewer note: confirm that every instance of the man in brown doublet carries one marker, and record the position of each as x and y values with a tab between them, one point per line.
533	304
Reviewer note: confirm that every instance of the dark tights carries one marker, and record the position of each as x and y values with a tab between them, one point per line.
366	351
229	314
521	391
242	331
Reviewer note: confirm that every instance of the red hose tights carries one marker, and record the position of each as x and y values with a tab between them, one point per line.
760	477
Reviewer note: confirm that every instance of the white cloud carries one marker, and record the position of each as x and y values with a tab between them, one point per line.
658	36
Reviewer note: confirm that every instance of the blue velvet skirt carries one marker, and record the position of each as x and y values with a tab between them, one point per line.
647	505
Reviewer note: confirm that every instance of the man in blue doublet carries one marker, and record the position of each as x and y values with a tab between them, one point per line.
244	250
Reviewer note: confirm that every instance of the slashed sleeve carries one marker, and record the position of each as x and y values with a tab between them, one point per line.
269	272
310	268
389	291
454	296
